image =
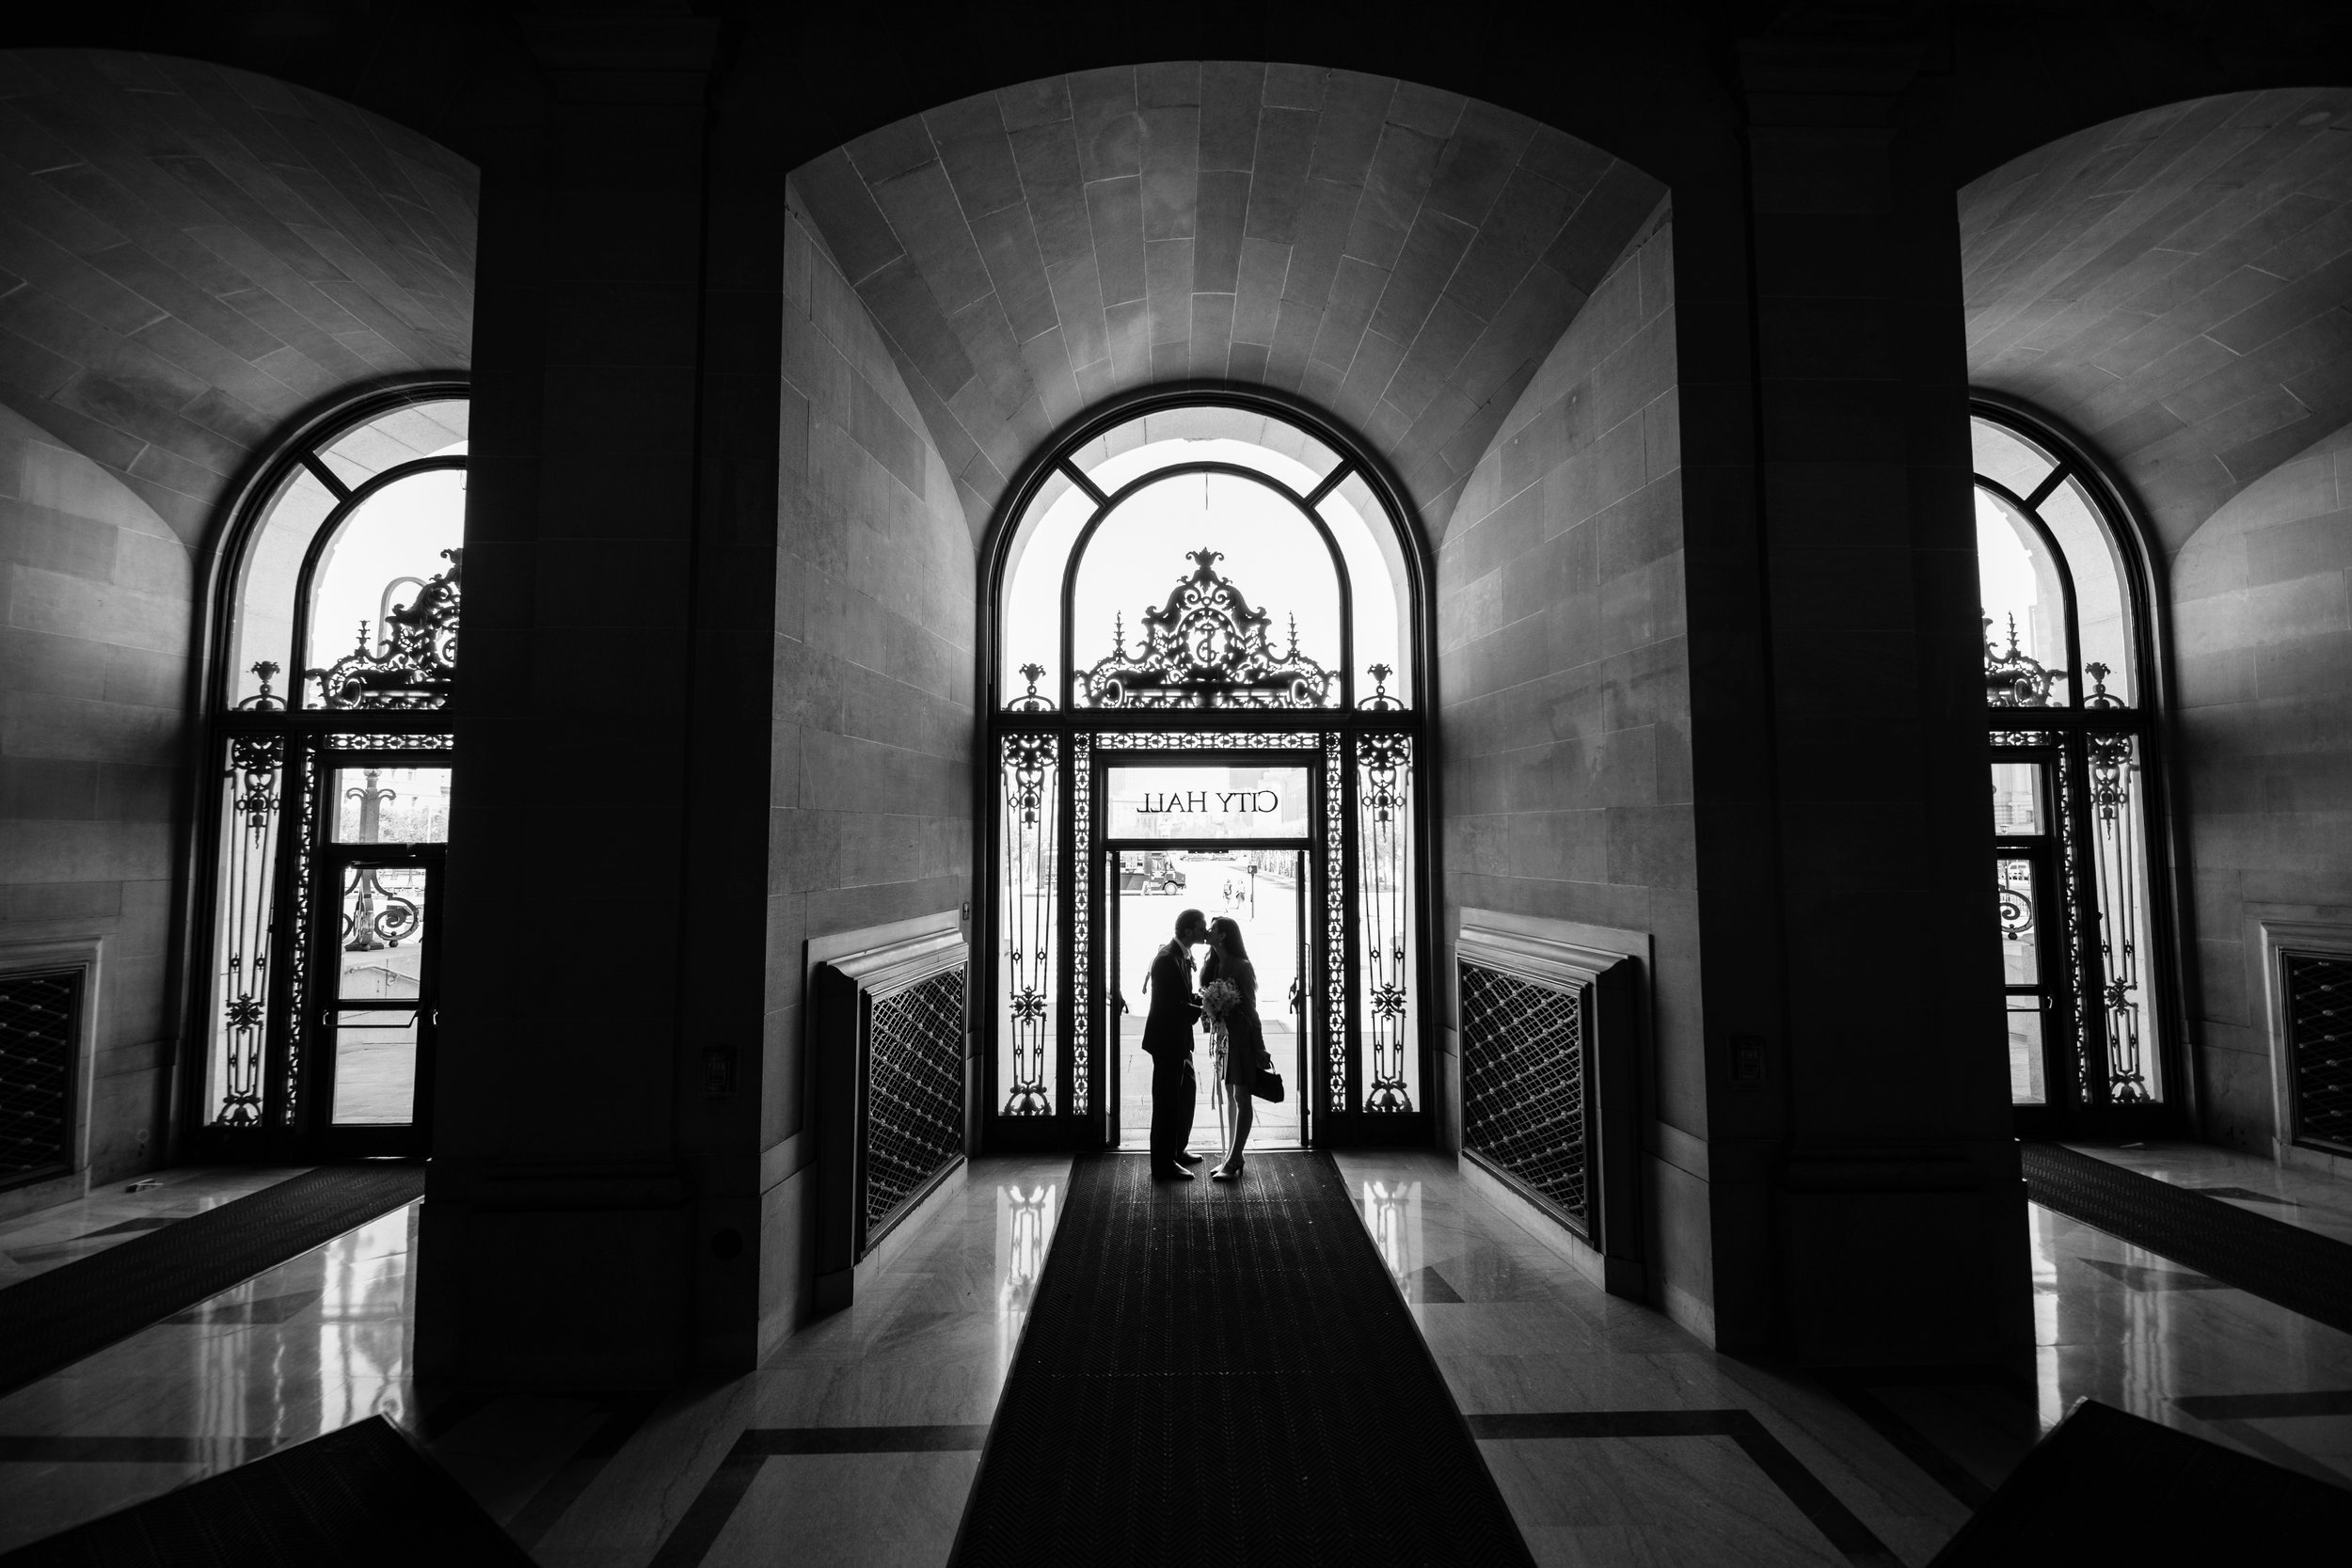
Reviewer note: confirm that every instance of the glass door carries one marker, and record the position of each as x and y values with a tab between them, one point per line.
2036	949
371	1062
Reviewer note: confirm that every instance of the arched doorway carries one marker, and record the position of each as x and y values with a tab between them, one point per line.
1206	632
2071	702
335	630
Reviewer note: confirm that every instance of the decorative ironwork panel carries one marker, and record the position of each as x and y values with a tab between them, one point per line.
1081	921
1335	925
1384	844
2319	1046
2119	852
390	741
2013	678
1207	740
1207	648
308	777
248	898
1029	830
414	664
2070	952
915	1092
1524	1105
37	1012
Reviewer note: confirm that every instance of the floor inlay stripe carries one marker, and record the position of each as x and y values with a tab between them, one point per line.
1801	1486
715	1504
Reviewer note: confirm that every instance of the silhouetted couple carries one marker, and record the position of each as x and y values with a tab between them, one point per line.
1230	984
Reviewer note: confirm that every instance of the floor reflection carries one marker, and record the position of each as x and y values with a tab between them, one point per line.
304	1349
1024	1221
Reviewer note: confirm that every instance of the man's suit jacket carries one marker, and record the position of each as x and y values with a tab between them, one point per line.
1168	1025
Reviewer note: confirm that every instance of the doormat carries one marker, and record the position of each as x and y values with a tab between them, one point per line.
53	1319
2299	1270
1219	1372
364	1495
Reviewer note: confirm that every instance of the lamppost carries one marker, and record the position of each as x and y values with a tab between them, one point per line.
371	799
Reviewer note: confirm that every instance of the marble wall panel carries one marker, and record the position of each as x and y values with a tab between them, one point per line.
870	785
1564	682
95	603
2262	619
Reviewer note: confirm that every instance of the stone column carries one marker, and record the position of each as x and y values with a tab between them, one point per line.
591	1096
1867	1206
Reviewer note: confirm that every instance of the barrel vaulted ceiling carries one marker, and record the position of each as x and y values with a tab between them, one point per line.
191	255
1402	257
2177	286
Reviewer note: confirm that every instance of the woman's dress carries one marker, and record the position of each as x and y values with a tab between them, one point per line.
1245	1051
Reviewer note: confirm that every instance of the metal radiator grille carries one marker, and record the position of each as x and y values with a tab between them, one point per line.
1523	1101
2319	1037
914	1091
35	1063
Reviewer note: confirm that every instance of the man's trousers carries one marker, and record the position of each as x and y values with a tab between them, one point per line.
1174	1092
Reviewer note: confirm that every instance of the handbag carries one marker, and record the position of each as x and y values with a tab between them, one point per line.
1267	1086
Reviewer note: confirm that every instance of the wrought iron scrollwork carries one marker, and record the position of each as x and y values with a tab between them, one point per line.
414	666
1032	701
374	917
1028	768
262	701
249	899
1384	847
2119	860
308	778
1081	921
2012	677
1205	740
1207	648
2016	905
1335	923
1380	701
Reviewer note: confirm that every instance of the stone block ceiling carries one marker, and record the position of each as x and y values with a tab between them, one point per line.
191	255
2176	285
1401	257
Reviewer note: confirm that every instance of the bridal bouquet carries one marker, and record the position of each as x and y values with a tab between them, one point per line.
1218	998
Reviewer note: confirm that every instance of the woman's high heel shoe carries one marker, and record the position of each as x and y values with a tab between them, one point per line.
1225	1173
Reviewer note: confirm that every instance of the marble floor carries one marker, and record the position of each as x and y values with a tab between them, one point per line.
1616	1436
112	1214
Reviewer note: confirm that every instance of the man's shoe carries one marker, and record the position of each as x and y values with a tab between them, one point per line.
1173	1173
1188	1159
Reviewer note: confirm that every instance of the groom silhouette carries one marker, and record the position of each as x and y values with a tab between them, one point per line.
1168	1035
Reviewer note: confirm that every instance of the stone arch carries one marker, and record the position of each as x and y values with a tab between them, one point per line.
1398	255
200	253
2176	285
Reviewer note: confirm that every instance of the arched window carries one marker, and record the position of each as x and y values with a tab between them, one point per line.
1206	630
335	642
2067	661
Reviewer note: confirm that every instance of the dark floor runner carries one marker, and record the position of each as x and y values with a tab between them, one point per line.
361	1495
2300	1270
53	1319
1217	1372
